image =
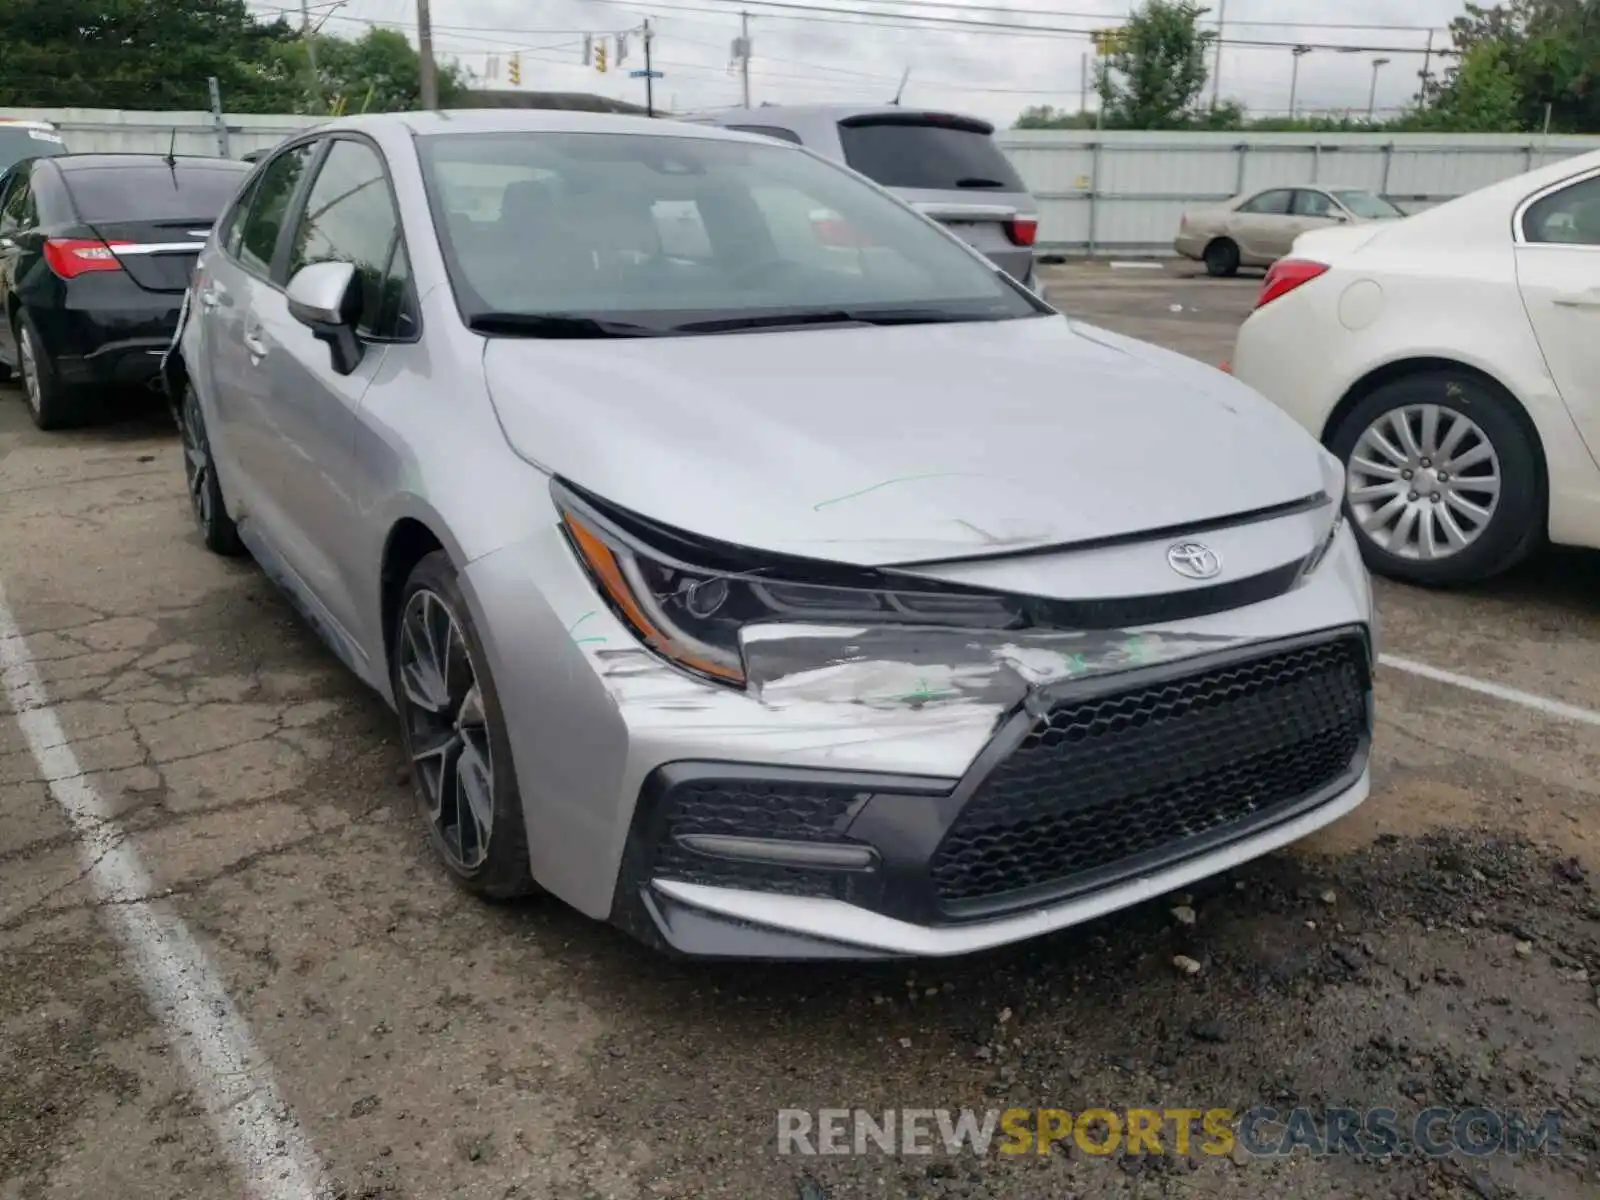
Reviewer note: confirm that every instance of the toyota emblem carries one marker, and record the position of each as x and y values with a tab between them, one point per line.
1193	560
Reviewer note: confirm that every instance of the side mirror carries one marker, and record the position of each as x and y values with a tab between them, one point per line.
326	298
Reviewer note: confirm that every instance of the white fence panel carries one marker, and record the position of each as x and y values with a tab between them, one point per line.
1122	192
111	130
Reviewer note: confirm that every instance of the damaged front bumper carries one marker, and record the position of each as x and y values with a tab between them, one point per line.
918	792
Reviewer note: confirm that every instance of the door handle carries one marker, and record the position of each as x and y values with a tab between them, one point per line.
256	347
1589	299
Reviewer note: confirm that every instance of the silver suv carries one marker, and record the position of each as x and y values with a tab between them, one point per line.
944	164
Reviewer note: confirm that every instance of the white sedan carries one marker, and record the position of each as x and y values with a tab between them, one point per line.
1452	362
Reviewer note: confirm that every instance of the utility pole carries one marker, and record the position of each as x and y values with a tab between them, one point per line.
744	55
1427	59
1372	92
429	71
1216	69
1083	84
1299	52
649	74
309	38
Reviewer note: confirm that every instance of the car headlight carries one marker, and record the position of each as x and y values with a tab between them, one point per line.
688	599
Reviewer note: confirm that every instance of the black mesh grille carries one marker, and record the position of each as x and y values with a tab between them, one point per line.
796	812
1104	782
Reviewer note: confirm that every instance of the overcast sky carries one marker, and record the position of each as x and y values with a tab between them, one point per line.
799	57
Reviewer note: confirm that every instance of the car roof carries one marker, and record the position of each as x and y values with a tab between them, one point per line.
521	120
20	123
94	162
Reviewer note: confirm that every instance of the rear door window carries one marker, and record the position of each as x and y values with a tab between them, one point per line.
19	211
1274	203
928	152
154	192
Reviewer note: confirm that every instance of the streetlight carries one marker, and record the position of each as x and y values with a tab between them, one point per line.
1299	52
1372	93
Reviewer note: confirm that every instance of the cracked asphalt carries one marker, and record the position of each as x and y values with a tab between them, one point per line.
1440	946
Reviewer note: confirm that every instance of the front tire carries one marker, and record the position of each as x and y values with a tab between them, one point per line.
1222	258
1443	480
450	723
51	404
200	475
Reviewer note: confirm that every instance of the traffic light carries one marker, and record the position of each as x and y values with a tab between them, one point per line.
1108	41
516	70
600	57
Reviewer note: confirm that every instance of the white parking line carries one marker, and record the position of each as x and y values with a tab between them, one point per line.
229	1074
1553	708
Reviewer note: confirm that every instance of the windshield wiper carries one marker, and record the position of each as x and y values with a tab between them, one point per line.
834	316
555	325
978	181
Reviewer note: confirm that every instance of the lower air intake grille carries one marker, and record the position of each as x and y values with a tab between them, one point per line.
1104	785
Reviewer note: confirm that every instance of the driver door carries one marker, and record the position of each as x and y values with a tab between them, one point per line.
349	215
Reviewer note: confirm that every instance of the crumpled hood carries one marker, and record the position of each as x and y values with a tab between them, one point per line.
900	444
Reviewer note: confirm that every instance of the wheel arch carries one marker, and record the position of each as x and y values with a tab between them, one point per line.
409	541
1406	368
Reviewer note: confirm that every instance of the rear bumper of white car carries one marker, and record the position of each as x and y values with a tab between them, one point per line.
881	798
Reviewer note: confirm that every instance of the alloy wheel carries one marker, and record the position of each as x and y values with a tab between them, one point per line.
197	462
447	729
28	359
1423	482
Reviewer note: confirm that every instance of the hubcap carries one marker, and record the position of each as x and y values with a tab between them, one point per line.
197	462
1423	482
29	360
447	729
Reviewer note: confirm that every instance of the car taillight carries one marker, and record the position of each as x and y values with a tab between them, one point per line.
1022	230
71	257
1285	275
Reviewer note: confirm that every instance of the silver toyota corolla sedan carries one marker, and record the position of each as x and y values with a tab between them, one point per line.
769	590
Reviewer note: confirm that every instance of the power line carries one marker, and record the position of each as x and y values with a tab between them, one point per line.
1114	19
938	24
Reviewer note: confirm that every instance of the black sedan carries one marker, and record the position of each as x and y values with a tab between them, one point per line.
96	251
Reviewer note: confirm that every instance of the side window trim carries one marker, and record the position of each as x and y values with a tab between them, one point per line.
296	212
1519	218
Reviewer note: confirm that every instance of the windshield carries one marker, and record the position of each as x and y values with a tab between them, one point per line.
18	143
656	233
1365	204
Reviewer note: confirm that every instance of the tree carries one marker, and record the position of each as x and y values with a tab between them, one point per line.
1516	58
378	72
138	54
1155	77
